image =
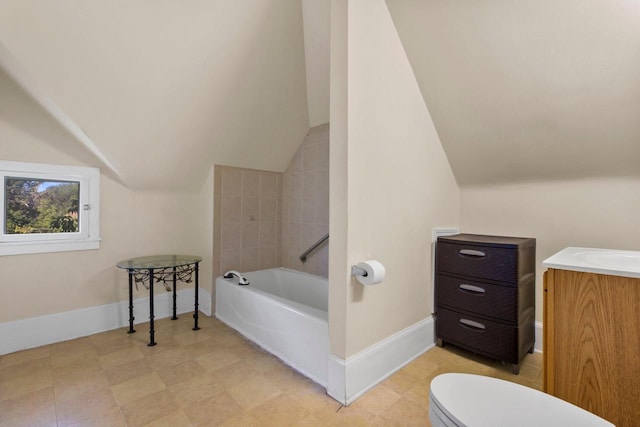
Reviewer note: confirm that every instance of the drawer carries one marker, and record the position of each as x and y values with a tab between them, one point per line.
478	334
481	298
482	262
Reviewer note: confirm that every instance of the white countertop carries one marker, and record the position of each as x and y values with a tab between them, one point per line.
600	261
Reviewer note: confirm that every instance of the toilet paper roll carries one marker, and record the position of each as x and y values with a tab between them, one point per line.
375	272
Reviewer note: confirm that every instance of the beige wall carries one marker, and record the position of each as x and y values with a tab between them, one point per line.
338	179
600	213
247	219
397	178
305	204
316	20
133	223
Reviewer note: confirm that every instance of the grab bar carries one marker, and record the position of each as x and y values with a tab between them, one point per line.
313	247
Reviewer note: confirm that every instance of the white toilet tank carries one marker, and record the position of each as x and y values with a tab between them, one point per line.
465	400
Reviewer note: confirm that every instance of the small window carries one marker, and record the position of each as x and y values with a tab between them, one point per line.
48	208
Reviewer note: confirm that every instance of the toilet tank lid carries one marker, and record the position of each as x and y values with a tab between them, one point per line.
478	401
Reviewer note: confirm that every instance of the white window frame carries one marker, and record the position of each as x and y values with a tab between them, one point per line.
89	219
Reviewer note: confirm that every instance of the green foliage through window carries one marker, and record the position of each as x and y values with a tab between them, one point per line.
41	206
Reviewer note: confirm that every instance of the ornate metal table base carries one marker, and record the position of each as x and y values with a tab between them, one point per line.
167	269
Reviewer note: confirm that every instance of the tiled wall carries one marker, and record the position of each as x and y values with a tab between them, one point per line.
247	219
267	219
305	203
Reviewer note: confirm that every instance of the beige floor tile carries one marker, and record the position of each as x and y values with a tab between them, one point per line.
348	416
71	387
310	421
253	392
109	336
407	413
24	356
185	338
68	352
148	409
234	374
120	357
287	379
229	338
246	350
279	411
17	370
213	411
81	367
264	362
32	409
196	389
401	381
202	347
107	346
217	359
241	420
314	399
20	386
127	371
99	408
377	400
419	393
422	366
181	372
164	358
210	377
137	388
174	419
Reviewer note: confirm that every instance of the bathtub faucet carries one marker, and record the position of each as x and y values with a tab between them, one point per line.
241	280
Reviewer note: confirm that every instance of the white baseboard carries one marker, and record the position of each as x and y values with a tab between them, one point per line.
43	330
537	346
349	379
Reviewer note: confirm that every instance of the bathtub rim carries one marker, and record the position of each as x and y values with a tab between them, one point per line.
298	307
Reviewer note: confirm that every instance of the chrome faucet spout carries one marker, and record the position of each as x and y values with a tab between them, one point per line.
241	280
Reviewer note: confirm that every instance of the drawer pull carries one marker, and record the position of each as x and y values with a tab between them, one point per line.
471	253
470	324
476	290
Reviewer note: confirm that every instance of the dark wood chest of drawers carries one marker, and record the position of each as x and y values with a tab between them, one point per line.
485	295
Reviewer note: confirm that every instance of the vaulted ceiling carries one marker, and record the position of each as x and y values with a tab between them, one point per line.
524	90
164	88
518	90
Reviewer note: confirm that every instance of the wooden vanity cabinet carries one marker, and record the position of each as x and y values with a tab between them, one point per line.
592	343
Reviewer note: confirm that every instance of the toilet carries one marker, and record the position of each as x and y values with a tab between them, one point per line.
466	400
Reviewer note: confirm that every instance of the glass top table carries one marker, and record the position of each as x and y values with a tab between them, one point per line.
167	269
158	261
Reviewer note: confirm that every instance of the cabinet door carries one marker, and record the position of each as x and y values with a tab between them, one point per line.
594	343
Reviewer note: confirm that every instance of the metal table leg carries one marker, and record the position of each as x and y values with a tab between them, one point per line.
151	330
195	312
131	318
174	294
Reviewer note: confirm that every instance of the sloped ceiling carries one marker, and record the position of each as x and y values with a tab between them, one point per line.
20	112
164	89
528	90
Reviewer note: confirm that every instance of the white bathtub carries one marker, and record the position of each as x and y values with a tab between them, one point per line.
285	312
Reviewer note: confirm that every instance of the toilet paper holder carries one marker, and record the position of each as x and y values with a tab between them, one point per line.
358	271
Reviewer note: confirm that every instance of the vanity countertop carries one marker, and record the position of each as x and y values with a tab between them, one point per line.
600	261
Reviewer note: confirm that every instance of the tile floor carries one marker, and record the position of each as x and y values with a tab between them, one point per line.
207	378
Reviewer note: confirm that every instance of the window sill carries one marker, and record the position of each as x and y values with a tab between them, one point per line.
22	248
